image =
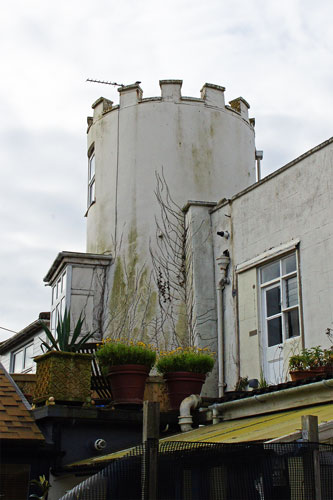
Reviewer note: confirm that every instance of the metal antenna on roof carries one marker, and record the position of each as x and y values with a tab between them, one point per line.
115	84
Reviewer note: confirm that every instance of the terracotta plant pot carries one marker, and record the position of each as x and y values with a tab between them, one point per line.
128	383
66	376
181	385
304	374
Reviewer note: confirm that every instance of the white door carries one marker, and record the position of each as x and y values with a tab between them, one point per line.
272	334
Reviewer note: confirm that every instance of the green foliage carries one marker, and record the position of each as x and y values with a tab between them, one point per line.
242	384
262	381
190	359
328	356
64	340
122	352
43	485
311	358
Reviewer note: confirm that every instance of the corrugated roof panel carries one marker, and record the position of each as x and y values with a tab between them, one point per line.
262	428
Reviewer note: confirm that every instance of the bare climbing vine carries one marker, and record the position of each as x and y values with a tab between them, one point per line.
172	264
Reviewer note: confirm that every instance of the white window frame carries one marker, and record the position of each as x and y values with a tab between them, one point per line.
24	368
91	197
281	282
60	298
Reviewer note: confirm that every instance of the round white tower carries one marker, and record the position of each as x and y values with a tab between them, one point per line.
147	159
204	148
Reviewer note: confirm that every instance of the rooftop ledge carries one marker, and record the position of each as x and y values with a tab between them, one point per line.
81	258
285	399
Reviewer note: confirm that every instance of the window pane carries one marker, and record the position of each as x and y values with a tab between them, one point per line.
62	307
291	292
91	167
292	324
270	272
274	331
289	264
57	315
92	192
18	362
63	283
53	319
273	301
29	352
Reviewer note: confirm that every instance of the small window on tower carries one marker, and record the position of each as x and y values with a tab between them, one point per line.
91	179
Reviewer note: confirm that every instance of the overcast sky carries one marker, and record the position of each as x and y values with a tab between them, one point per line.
275	54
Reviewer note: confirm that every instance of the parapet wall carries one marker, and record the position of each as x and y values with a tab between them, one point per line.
210	95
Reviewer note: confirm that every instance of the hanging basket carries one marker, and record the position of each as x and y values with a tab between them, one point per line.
181	385
65	376
128	383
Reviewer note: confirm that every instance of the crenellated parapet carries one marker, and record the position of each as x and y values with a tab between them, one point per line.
211	95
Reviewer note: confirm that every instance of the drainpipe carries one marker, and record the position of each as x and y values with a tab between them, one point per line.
185	417
223	263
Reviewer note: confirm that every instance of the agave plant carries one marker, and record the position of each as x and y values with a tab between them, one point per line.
64	340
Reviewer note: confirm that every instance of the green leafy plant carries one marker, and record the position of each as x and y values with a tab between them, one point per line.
328	357
308	359
189	359
298	362
122	352
64	340
242	384
262	381
43	485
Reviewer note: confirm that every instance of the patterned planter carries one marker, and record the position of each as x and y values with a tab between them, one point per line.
128	383
66	376
181	385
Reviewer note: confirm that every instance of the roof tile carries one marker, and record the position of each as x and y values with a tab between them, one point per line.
16	421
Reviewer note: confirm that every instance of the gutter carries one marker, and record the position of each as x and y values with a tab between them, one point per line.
294	397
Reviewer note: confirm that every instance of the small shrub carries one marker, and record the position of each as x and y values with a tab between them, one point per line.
121	352
189	359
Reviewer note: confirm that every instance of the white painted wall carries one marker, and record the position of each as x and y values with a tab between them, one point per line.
294	203
205	149
86	285
5	357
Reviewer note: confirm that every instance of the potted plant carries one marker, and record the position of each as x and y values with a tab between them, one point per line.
184	370
328	361
309	363
127	365
63	373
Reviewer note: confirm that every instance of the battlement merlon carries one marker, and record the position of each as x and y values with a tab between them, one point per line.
171	90
241	106
210	95
130	95
100	106
213	95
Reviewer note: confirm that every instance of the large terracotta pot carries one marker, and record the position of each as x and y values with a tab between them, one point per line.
128	383
181	385
66	376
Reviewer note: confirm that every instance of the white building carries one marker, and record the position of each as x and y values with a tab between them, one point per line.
155	267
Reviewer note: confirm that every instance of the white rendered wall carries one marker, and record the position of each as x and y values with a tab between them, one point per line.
293	203
35	339
205	149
